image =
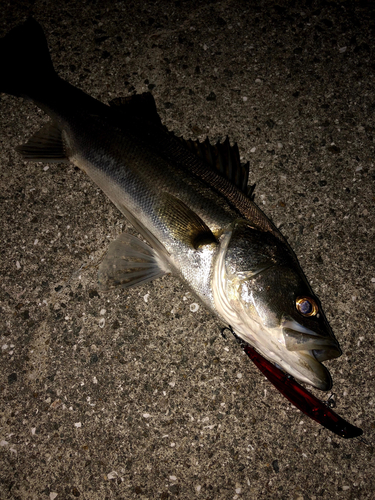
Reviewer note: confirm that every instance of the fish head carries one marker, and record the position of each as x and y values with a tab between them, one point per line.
265	297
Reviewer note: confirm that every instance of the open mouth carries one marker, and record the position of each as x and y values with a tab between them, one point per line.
300	338
323	348
313	349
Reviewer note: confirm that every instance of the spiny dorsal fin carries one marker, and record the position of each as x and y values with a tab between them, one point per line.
141	106
224	158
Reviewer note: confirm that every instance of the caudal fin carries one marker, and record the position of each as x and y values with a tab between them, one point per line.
25	64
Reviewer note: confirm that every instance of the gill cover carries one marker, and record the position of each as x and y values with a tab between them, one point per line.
259	265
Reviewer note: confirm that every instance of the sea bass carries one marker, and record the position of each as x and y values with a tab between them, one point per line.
188	200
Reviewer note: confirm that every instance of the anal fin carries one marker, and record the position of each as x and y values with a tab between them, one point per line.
46	145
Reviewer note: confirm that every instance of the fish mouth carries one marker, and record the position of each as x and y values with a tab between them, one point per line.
324	348
299	338
313	348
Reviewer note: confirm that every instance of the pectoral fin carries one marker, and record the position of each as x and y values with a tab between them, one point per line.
129	262
184	224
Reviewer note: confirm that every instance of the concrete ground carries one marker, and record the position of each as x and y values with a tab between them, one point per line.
134	394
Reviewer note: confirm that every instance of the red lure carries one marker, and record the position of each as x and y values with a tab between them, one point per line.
301	398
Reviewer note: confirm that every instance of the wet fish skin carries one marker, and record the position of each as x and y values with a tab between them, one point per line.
199	225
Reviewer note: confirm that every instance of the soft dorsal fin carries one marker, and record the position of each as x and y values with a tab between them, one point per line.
224	158
142	106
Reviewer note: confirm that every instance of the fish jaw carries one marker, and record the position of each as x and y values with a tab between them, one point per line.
302	363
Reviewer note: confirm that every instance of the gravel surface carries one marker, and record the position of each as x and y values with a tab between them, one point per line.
134	394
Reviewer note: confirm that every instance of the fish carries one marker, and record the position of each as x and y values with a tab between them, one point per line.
190	203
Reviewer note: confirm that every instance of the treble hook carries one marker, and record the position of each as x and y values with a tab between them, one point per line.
229	328
331	401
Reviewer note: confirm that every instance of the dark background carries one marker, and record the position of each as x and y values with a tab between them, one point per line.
131	394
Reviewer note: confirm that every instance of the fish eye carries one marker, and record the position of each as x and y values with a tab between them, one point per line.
306	306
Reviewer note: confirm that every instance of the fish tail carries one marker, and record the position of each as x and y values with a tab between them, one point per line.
26	68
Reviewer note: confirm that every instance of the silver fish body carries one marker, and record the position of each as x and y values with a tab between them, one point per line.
199	225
